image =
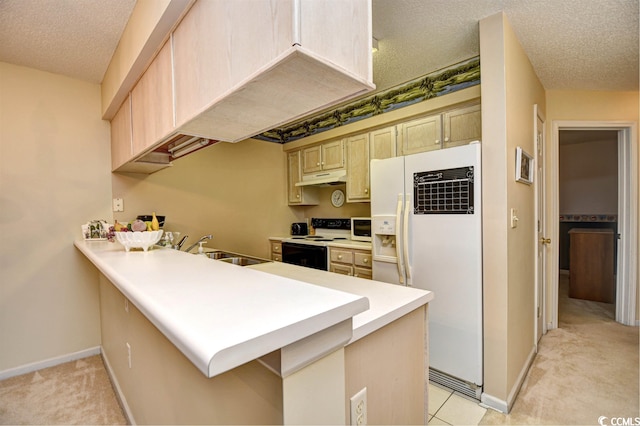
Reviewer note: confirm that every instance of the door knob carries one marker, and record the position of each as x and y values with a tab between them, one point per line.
545	241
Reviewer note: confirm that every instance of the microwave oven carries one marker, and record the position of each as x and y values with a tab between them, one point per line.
361	229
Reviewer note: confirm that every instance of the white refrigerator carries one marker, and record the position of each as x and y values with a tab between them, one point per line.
427	233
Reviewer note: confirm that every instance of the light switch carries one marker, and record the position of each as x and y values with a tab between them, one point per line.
118	205
514	218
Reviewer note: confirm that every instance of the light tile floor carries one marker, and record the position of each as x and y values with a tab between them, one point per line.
450	408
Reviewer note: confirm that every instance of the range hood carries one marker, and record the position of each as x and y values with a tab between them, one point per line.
334	177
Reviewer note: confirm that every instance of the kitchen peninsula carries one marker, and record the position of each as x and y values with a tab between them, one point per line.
188	339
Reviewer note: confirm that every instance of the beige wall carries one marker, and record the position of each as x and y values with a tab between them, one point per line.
234	191
510	89
566	105
54	176
588	177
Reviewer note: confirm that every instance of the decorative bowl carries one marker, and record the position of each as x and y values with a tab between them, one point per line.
138	239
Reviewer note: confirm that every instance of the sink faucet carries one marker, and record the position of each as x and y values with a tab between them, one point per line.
179	244
191	247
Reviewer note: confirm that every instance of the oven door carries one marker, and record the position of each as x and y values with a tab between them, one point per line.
311	256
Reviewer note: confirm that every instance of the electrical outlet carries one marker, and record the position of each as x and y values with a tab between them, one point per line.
359	407
118	205
129	354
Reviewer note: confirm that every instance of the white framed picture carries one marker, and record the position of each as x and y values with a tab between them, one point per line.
524	167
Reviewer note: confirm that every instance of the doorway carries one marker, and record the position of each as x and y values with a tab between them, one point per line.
625	217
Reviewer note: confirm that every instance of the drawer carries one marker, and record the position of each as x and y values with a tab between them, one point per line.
362	259
276	247
342	256
276	257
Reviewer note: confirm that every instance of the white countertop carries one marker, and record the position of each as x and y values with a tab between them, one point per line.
387	302
221	315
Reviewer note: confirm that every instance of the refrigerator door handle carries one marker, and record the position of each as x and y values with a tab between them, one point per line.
399	244
405	239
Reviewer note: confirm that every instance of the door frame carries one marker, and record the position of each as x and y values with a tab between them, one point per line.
541	268
627	265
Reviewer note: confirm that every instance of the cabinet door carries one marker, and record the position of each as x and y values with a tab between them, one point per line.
383	143
341	269
294	176
333	155
152	103
312	159
211	58
121	135
462	126
358	168
362	273
421	135
298	195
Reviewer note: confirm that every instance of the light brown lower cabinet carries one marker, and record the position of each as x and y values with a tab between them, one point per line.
353	262
276	250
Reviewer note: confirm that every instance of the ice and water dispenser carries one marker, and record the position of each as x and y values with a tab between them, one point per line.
383	230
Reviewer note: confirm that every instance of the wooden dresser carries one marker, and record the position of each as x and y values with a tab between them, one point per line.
591	264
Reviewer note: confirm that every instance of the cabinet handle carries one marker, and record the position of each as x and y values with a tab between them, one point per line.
446	139
317	164
366	190
297	195
437	141
365	260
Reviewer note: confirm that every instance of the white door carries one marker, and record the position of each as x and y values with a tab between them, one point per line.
542	239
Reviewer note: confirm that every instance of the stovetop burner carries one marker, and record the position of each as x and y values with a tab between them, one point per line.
317	238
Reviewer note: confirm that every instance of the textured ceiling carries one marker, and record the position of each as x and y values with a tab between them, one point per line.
75	38
572	44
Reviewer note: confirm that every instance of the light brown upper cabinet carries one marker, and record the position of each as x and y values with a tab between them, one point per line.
121	135
383	143
458	126
152	103
328	156
245	67
424	134
358	168
298	195
462	125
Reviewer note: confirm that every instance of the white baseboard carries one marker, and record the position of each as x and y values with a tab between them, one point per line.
489	401
116	387
51	362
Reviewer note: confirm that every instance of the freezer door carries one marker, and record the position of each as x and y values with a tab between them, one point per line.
387	187
445	247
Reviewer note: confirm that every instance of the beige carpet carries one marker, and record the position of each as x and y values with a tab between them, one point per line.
77	392
585	369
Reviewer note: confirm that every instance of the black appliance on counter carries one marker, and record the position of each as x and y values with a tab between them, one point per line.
312	250
299	228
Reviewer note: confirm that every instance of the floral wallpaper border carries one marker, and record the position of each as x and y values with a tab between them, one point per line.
456	77
588	218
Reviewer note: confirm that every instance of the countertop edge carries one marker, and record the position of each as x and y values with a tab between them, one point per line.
235	355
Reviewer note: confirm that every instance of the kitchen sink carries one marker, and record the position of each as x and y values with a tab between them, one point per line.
234	258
